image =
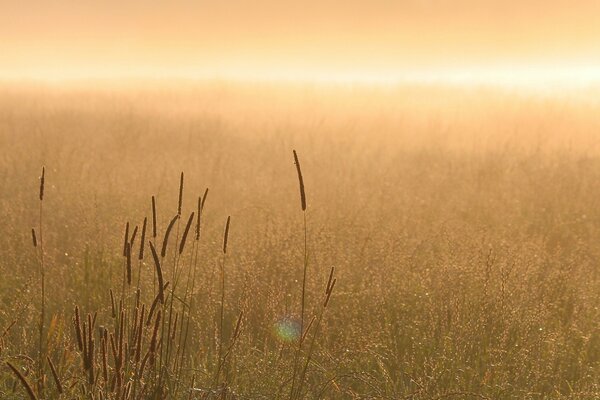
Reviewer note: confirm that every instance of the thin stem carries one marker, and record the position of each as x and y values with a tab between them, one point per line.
221	315
305	265
302	312
43	303
189	292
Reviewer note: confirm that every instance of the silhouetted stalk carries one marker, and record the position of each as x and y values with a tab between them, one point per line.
166	348
233	341
192	287
41	349
23	380
141	253
222	310
328	291
304	269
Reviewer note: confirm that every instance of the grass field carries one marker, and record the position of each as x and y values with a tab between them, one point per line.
463	226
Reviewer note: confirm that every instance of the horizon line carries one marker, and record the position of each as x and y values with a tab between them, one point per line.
510	77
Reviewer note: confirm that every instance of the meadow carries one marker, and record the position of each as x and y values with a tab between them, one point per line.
462	226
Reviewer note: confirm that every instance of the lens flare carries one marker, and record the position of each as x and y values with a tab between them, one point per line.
287	329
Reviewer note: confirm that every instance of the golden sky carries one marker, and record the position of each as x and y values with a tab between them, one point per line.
326	39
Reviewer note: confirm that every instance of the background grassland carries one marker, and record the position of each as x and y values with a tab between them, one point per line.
464	227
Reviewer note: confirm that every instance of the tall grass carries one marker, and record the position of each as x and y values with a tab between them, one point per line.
42	339
157	374
464	265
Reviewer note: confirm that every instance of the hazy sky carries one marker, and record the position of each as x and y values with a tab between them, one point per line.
378	39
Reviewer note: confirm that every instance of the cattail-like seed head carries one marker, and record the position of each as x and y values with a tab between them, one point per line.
330	285
78	330
153	217
226	235
204	197
112	304
163	251
42	181
185	233
180	194
154	304
198	211
33	237
91	322
133	236
300	181
158	273
328	288
113	348
126	239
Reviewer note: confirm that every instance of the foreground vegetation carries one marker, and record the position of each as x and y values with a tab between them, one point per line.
462	227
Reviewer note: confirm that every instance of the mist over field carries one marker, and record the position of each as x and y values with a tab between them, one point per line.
462	225
269	199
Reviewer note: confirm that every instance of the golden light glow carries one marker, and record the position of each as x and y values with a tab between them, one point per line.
524	43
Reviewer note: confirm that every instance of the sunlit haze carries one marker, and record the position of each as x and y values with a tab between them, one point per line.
298	200
381	42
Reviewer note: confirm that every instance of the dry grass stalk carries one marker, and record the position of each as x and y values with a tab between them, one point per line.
128	254
222	305
103	348
204	196
23	380
159	275
112	304
198	212
42	339
304	274
305	333
185	233
154	304
42	183
238	325
329	289
301	182
226	235
8	328
78	329
133	236
126	239
143	239
172	334
154	217
139	334
297	393
163	251
233	340
55	376
154	339
180	202
85	332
